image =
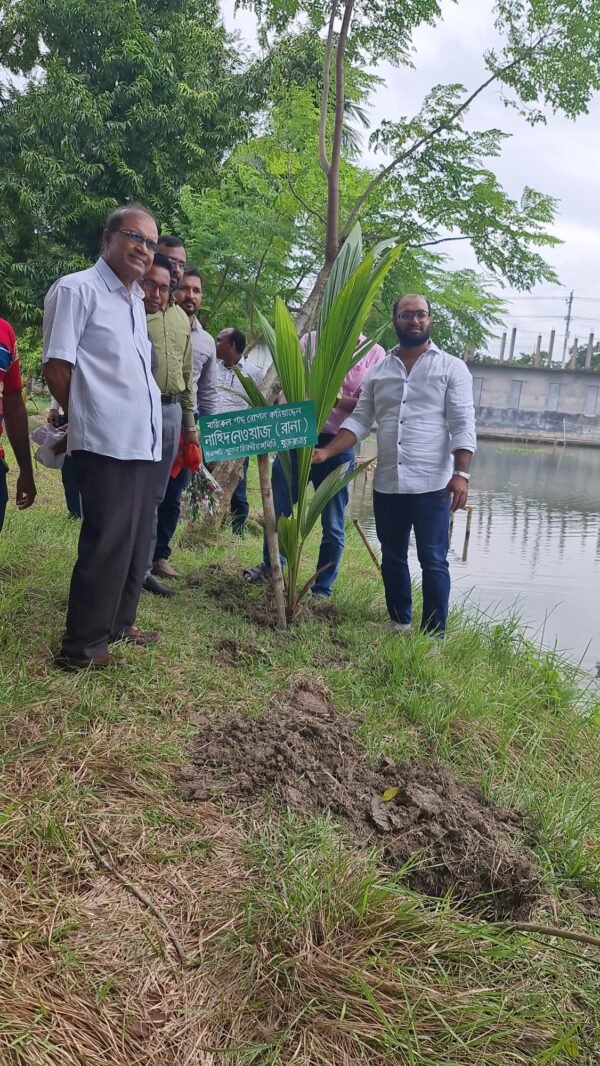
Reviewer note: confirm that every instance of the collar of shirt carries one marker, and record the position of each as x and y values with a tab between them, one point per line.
113	282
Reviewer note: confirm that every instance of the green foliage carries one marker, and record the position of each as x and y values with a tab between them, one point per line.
318	374
122	101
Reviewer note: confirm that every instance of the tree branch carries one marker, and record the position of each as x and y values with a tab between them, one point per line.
340	56
325	94
378	178
311	210
441	240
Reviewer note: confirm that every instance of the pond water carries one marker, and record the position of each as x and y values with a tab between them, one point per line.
534	546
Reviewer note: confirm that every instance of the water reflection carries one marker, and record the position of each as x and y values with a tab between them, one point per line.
534	544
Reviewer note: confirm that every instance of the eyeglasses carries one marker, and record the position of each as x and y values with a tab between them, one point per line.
136	238
152	286
407	316
179	264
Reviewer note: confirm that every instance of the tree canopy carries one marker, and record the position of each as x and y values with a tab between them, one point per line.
255	158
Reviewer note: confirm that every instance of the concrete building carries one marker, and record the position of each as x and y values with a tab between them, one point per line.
537	403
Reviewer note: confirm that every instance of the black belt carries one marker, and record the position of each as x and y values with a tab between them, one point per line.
170	397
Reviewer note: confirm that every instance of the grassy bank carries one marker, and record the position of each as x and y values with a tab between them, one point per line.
299	945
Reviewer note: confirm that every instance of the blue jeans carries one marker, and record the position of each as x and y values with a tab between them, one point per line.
168	514
332	518
428	513
240	508
3	489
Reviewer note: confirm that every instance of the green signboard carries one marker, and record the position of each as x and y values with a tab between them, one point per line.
257	430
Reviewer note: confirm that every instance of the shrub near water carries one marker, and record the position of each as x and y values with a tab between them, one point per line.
304	947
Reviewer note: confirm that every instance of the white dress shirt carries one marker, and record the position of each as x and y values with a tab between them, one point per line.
422	418
235	400
92	322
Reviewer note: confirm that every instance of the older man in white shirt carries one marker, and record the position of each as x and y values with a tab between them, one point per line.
97	362
422	401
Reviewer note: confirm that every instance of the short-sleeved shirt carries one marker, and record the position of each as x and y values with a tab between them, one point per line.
10	375
93	322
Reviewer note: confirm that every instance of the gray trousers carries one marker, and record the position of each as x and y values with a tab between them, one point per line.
171	429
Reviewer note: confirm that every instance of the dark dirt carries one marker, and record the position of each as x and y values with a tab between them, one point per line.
255	601
233	594
305	756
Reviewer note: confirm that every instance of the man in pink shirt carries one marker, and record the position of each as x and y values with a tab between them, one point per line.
332	518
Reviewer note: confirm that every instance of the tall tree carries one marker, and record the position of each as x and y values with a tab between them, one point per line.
549	58
122	100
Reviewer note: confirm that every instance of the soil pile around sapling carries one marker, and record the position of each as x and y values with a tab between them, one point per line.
234	594
305	755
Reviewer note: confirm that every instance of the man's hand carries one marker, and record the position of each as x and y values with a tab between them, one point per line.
190	436
319	455
53	416
60	448
26	491
458	489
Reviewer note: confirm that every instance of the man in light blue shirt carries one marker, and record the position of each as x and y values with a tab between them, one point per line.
97	362
422	401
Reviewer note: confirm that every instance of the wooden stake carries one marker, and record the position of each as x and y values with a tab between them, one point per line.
264	473
359	529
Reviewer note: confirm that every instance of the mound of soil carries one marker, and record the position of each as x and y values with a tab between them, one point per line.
234	594
305	756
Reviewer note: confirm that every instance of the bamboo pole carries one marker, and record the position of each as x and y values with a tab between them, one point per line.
359	529
264	474
469	511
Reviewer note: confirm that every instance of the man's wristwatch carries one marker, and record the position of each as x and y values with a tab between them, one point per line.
462	473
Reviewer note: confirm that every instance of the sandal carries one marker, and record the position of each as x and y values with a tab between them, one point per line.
256	575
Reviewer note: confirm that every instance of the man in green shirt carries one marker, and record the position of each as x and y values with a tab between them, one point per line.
169	332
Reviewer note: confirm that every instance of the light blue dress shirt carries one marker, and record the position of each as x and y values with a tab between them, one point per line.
93	322
422	418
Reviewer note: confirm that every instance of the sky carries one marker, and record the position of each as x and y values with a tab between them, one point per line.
561	159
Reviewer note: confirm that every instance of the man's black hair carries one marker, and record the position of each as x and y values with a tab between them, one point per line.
194	273
160	260
170	241
401	298
117	217
238	339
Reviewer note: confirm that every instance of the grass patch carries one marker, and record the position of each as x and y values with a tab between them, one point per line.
301	948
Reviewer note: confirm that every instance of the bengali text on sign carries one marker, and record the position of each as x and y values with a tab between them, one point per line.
257	430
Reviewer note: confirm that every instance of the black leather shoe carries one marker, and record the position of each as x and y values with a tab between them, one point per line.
156	587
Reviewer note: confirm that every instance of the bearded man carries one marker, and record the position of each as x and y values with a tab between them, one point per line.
422	401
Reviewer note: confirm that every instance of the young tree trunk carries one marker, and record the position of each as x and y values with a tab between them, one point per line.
264	474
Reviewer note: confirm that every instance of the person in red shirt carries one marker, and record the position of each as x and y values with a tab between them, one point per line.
14	416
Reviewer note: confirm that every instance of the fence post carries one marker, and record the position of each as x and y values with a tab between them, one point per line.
502	347
573	359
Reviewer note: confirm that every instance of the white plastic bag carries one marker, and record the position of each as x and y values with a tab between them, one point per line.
48	436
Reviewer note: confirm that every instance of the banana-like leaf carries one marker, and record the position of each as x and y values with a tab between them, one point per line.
290	364
338	338
287	535
268	335
328	488
347	261
253	393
